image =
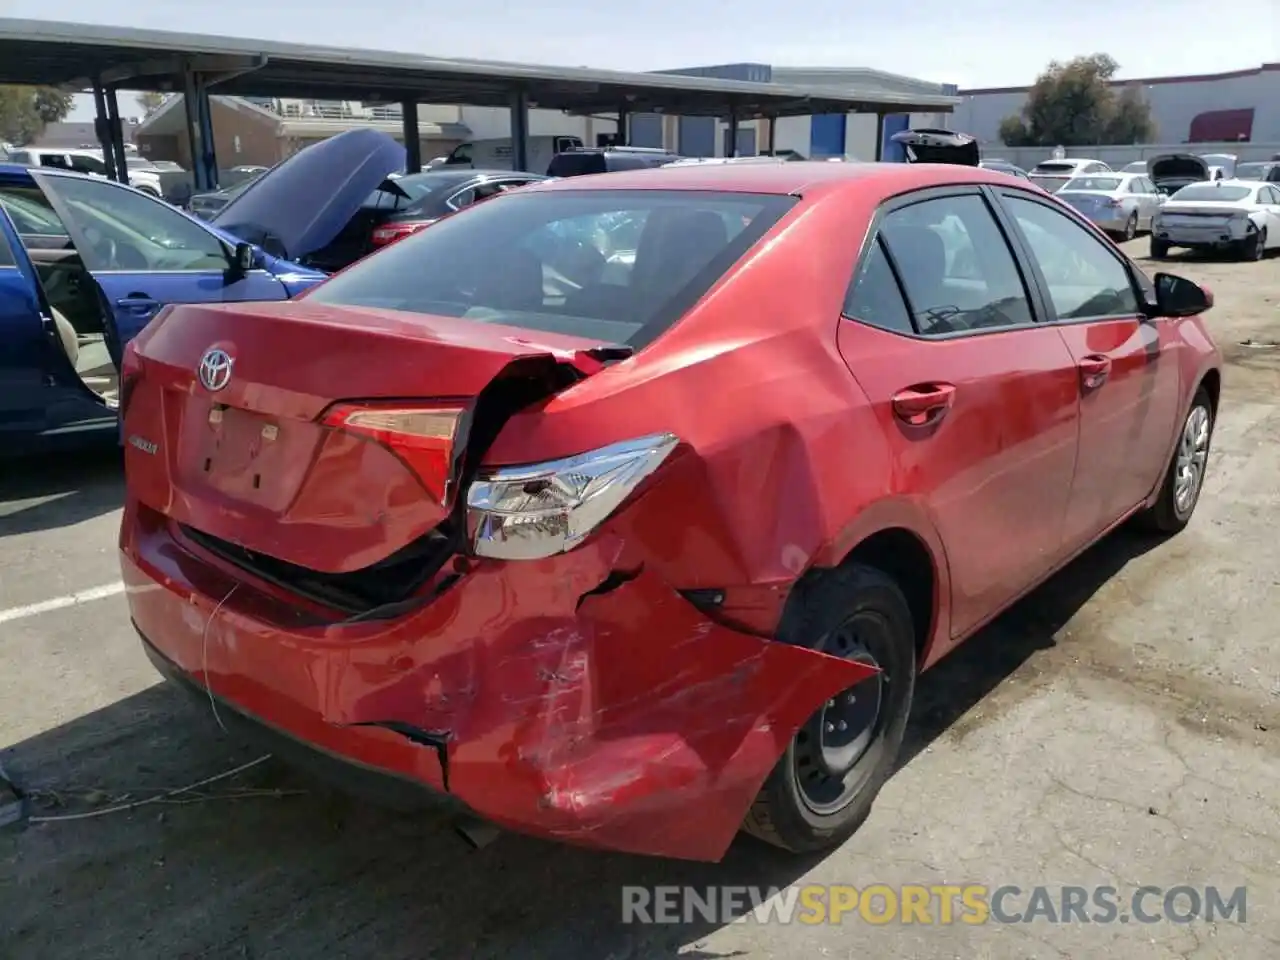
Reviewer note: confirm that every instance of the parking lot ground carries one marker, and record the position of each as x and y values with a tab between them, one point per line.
1120	727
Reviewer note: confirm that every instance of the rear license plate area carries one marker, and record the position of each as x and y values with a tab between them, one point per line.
244	455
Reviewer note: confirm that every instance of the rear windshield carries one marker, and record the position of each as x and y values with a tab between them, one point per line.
1105	184
1138	166
1209	192
1052	184
617	266
1051	167
576	164
1253	171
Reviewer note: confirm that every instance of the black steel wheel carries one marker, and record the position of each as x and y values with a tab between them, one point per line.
823	786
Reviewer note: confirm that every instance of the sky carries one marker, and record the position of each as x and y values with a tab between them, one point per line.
973	43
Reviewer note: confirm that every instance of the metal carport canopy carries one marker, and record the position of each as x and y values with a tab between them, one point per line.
75	55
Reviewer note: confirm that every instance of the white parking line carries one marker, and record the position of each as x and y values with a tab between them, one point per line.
58	603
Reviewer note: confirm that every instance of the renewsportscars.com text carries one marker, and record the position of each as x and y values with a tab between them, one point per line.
933	904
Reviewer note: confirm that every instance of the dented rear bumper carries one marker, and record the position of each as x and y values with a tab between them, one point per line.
615	718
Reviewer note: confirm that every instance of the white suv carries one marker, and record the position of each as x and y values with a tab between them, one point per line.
143	176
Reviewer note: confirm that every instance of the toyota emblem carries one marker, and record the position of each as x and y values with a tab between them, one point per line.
215	369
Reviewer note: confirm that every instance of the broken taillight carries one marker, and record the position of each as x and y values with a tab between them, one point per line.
130	374
539	510
422	437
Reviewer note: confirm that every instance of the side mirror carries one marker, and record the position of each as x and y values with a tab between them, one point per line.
245	257
1179	297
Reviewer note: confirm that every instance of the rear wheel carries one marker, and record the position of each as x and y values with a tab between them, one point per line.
1159	249
1254	246
822	788
1131	226
1184	477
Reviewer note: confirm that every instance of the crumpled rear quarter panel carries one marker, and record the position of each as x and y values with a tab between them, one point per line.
624	720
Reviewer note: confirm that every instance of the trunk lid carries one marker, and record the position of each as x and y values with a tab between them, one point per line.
938	146
1173	170
241	421
1088	201
302	204
1198	213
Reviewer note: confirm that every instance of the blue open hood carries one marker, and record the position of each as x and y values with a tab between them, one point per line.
300	205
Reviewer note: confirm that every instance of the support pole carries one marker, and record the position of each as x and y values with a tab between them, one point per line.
732	150
412	138
102	127
520	131
209	155
773	135
116	129
624	126
189	108
879	137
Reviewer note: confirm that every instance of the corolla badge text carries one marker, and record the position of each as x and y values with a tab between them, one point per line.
146	446
215	369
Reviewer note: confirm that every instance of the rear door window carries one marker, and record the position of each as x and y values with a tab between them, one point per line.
85	164
956	267
875	297
618	266
32	215
576	164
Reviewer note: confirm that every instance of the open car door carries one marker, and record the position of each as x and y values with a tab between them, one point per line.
939	146
129	255
42	398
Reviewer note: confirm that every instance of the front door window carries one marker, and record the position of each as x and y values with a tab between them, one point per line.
125	231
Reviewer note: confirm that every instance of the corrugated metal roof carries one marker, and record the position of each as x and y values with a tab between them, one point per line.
54	53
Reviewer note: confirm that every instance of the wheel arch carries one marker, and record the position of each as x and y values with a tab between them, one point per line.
1211	383
897	537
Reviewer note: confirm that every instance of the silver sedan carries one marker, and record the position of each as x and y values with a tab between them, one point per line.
1120	203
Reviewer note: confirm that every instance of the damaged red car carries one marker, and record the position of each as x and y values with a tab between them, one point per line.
625	510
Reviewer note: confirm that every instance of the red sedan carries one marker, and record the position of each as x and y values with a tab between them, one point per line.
625	510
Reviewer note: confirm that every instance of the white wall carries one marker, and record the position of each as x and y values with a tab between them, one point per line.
494	123
1173	105
792	134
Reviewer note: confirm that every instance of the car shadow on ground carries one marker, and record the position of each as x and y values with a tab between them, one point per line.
315	874
44	493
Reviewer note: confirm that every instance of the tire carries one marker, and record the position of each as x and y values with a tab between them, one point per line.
1255	247
1172	510
800	808
1131	227
1159	249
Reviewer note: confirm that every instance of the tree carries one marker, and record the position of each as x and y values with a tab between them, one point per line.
26	111
150	102
1074	103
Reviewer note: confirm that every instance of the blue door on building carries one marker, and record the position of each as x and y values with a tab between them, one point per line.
890	151
827	134
697	137
646	130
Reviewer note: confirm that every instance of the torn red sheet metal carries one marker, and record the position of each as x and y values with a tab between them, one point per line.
624	720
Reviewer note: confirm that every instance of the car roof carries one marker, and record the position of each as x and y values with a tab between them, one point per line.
804	177
466	175
1073	161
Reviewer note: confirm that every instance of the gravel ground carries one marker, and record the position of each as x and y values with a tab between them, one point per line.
1121	726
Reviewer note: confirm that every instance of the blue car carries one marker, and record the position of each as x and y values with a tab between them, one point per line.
85	264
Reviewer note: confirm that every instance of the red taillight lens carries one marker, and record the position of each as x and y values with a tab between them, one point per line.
422	437
130	374
391	232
